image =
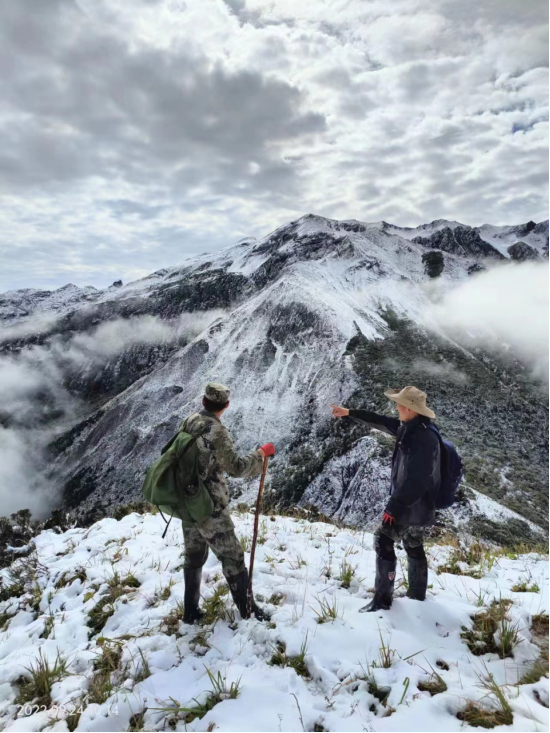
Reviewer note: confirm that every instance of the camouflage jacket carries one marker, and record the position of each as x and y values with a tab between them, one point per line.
217	454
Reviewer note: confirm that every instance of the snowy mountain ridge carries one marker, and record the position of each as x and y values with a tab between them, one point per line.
318	311
17	304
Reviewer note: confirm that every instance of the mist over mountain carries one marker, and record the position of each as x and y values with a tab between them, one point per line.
93	383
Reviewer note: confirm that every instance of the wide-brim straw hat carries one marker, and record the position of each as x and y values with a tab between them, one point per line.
412	398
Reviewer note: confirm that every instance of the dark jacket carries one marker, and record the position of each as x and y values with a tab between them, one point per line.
416	467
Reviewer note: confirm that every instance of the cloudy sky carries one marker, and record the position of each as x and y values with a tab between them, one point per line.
135	134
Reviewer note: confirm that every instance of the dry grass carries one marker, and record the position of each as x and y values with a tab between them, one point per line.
171	624
500	712
215	607
220	691
347	573
297	663
36	684
117	586
539	624
481	637
327	611
522	586
434	684
66	578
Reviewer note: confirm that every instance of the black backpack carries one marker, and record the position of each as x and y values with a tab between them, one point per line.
452	471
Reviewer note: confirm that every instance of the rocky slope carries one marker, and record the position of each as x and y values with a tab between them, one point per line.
318	311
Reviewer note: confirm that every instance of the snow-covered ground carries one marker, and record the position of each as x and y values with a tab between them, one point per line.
298	566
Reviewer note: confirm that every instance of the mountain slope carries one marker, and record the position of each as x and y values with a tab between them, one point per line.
319	311
105	604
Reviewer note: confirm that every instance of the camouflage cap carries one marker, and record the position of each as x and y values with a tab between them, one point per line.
216	392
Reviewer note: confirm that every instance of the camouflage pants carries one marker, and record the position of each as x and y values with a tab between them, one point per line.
217	533
387	534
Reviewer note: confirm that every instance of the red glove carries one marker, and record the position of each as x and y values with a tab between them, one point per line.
268	449
388	519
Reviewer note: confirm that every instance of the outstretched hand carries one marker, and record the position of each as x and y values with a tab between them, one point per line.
339	411
388	519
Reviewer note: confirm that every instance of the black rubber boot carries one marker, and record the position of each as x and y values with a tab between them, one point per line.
418	578
383	586
238	585
191	611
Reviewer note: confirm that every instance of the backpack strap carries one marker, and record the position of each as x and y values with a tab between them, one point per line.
167	523
169	444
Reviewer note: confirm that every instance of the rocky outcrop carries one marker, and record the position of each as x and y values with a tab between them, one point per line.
520	251
459	241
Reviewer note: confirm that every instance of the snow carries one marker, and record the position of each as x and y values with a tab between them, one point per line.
502	237
17	306
300	561
424	230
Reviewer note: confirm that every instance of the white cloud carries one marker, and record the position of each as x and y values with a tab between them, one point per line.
21	484
508	303
35	324
33	395
443	369
181	127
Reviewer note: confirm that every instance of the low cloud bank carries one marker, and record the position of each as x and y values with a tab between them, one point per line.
35	324
22	485
34	399
507	304
445	370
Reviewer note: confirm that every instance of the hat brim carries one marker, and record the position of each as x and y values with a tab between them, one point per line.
393	394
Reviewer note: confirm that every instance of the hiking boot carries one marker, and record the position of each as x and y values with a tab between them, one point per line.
378	603
191	611
418	578
383	586
238	585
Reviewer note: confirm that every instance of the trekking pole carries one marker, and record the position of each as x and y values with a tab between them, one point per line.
255	535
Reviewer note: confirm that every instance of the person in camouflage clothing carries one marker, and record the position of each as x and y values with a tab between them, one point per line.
216	456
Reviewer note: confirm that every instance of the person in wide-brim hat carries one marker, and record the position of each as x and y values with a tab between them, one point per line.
415	479
412	398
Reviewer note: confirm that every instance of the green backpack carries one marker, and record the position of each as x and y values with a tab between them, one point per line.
174	485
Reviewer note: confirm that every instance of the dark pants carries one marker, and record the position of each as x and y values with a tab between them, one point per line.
412	537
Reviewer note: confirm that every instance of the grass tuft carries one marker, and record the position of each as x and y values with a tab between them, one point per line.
246	543
434	684
105	607
538	669
327	611
480	716
136	723
66	578
347	573
385	653
100	614
297	663
219	692
522	586
106	665
171	624
215	608
539	624
492	631
36	685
